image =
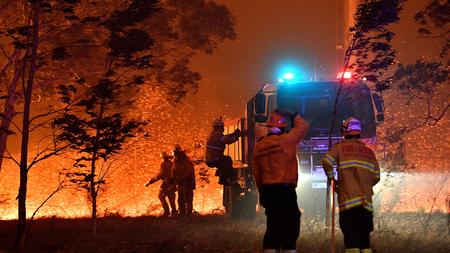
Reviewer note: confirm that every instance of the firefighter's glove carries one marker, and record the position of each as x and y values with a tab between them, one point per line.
291	117
336	183
150	182
331	176
237	132
288	114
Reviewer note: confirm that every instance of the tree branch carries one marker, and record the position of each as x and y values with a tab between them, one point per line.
47	114
13	123
54	152
10	157
59	188
440	116
11	60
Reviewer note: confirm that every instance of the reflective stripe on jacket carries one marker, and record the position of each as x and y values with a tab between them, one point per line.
358	172
275	156
215	145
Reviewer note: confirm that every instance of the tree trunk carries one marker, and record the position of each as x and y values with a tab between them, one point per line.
93	186
93	193
21	227
9	114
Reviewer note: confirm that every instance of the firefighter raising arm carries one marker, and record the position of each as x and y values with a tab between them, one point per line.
275	169
230	138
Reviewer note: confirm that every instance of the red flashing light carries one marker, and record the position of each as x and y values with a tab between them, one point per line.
347	75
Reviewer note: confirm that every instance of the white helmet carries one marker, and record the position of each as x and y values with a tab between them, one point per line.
351	126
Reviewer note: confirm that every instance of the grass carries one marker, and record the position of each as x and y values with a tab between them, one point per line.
394	233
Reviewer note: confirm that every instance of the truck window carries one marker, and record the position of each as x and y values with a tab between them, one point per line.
292	104
260	104
318	112
357	103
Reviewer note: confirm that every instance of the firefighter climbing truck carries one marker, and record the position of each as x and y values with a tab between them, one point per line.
314	101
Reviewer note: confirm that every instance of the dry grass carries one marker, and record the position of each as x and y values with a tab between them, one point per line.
394	233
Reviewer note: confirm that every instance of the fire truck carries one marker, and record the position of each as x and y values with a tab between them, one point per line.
314	101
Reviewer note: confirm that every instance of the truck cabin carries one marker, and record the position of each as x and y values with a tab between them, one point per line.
314	101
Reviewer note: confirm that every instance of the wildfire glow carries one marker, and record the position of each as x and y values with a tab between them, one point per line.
125	193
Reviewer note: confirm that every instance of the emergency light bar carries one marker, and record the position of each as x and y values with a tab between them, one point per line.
345	75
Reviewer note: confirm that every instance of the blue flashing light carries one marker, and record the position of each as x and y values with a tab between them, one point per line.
289	72
289	76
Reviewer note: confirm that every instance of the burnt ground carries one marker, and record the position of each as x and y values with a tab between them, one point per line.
406	233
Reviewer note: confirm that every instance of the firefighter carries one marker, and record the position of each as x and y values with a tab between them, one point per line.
215	158
168	187
275	171
358	172
184	175
215	146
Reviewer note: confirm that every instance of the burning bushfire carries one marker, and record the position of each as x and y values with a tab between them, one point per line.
125	194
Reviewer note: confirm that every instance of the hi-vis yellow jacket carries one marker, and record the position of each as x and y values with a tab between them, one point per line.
358	172
274	156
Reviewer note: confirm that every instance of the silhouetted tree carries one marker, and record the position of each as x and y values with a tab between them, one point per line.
368	56
371	41
423	84
46	43
426	80
433	21
96	131
370	53
143	47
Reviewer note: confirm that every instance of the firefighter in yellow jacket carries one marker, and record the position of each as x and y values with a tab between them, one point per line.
358	172
275	171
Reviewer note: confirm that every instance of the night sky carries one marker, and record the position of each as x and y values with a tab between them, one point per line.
270	33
